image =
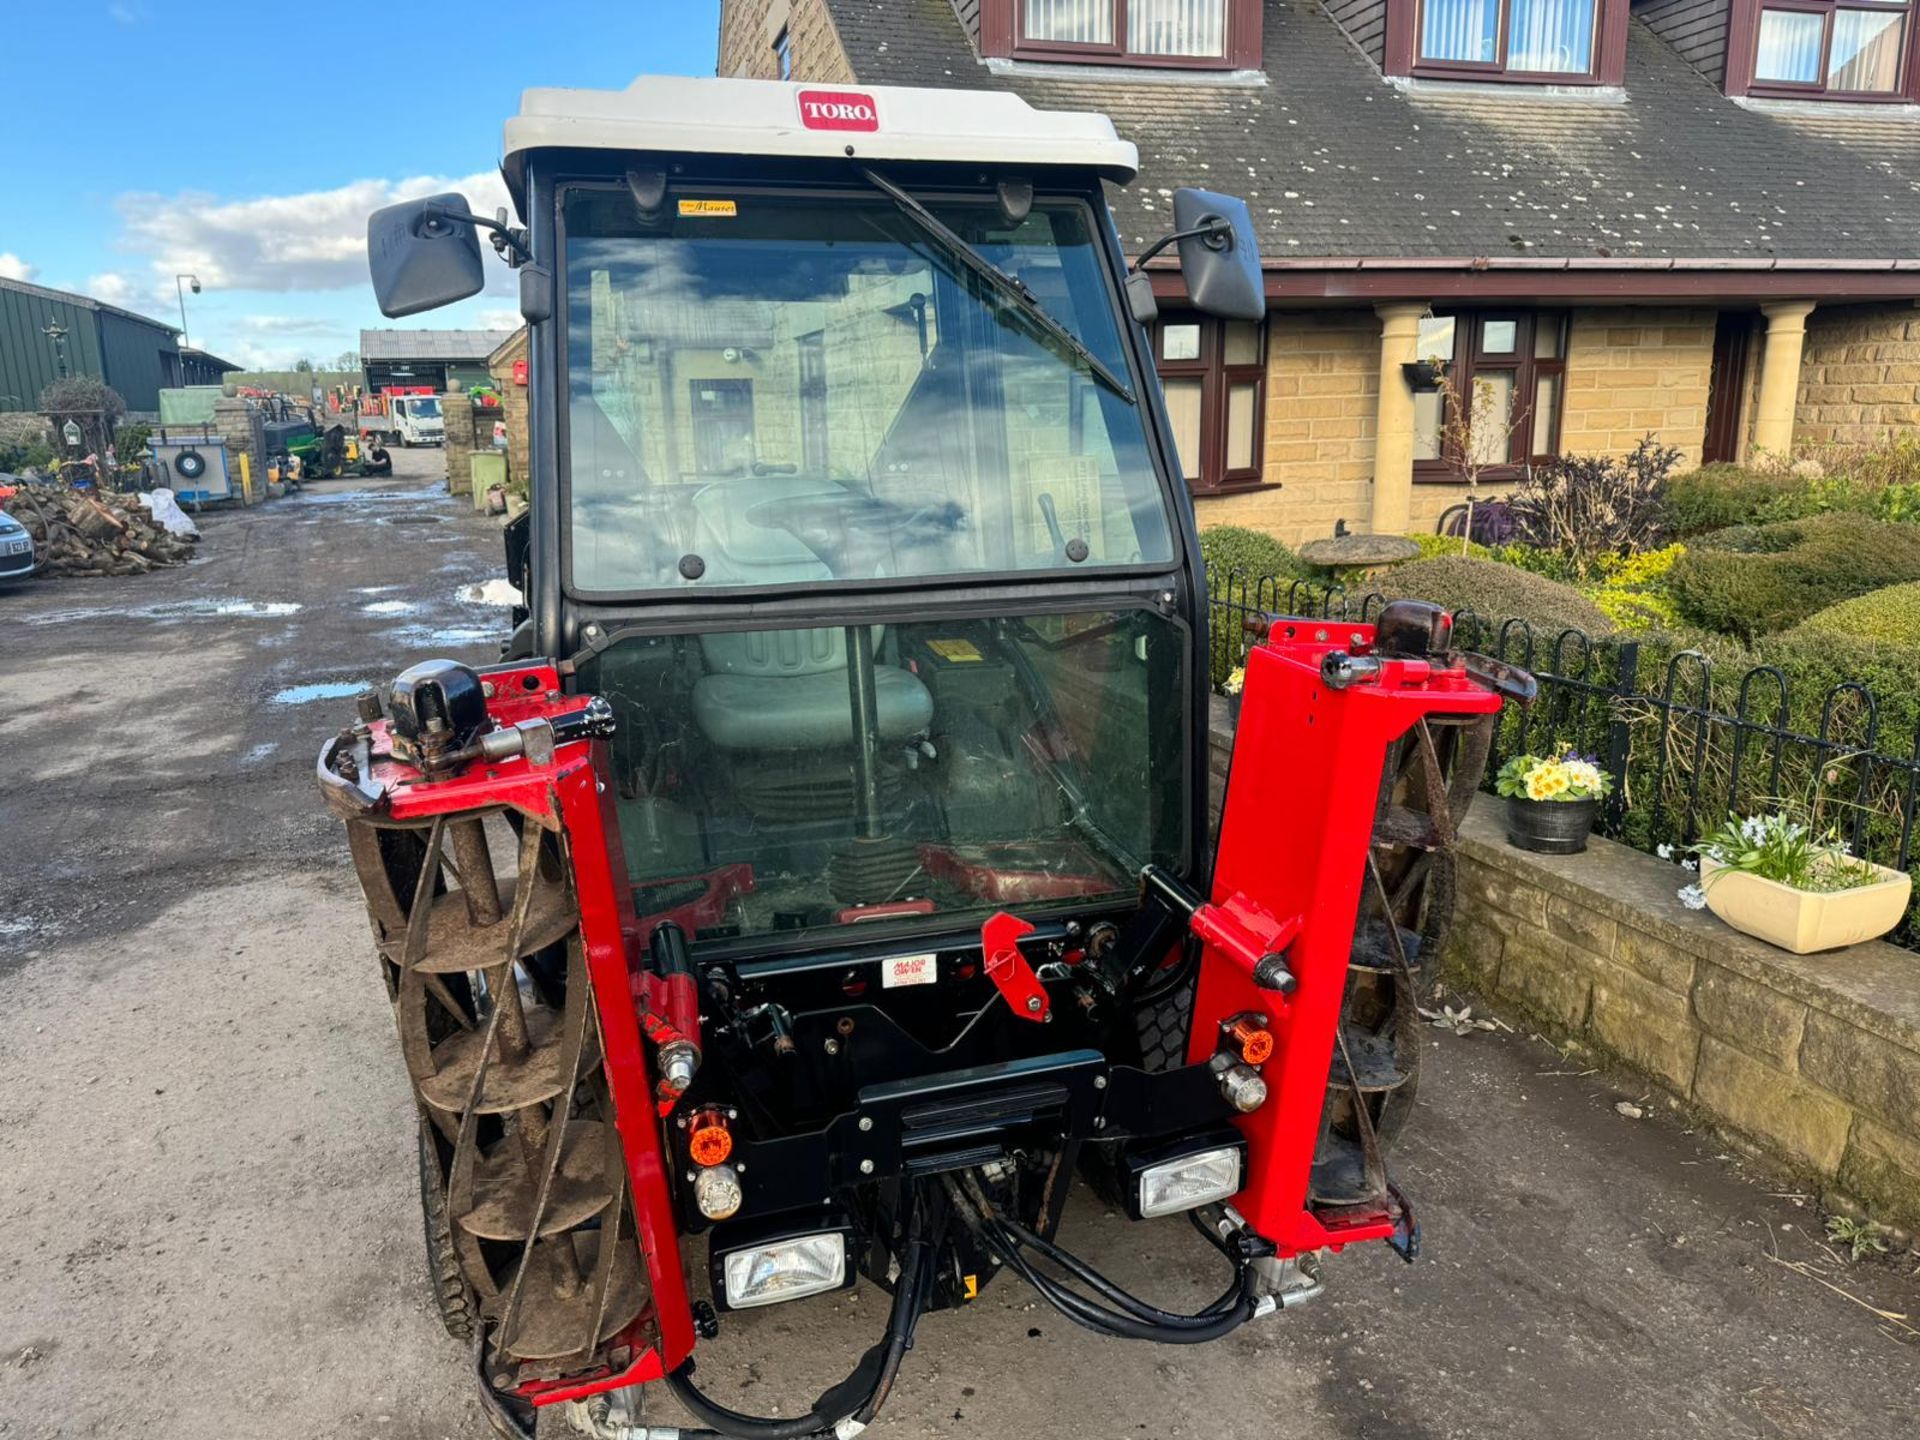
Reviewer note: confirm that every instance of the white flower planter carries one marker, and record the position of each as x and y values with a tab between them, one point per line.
1804	921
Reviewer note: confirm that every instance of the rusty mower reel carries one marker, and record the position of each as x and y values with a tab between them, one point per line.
523	1178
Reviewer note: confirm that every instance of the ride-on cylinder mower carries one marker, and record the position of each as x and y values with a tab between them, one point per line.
824	871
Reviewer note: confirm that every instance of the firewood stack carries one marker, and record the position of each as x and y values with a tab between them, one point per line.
79	532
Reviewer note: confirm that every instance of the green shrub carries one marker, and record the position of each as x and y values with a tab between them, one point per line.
1249	554
1496	593
1891	615
1716	496
1757	580
1432	545
1632	592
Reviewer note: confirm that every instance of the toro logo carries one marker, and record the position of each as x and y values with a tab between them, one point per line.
838	110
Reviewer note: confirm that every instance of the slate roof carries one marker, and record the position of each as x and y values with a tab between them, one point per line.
431	344
1335	162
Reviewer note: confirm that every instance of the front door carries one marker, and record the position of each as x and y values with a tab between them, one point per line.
1727	386
722	426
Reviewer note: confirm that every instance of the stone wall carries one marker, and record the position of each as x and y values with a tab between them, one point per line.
748	29
1859	375
513	400
1634	371
1323	395
455	415
1814	1060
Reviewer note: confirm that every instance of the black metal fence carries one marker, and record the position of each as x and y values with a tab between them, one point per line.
1686	743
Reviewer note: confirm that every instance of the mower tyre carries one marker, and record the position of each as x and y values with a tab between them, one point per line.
452	1295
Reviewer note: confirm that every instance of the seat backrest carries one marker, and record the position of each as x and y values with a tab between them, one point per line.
738	552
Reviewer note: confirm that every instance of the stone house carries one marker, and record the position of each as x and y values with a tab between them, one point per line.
1698	219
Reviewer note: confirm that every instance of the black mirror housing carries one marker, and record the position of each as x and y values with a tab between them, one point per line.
421	258
1221	269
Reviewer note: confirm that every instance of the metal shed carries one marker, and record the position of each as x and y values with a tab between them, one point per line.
440	359
47	333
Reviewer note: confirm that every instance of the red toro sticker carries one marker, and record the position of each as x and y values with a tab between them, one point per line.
838	110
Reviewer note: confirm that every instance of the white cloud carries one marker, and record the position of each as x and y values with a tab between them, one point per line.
12	267
111	288
283	243
507	318
121	12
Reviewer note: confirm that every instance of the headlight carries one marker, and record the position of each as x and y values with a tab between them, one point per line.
788	1269
1190	1181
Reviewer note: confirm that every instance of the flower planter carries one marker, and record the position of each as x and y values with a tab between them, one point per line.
1550	827
1803	921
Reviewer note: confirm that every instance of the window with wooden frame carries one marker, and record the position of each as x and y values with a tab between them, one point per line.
1509	369
1195	34
1214	376
1824	50
1536	42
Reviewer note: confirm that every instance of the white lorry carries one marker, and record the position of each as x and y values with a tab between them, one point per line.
406	420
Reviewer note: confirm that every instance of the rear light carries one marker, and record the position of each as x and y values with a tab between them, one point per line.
1191	1181
709	1141
789	1269
1249	1038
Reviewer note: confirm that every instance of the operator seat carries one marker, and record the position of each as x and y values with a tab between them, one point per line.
782	689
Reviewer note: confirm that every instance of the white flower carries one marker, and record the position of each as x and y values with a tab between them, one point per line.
1665	852
1690	863
1693	897
1753	829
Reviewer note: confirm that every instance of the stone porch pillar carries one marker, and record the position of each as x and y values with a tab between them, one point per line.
1780	375
1393	423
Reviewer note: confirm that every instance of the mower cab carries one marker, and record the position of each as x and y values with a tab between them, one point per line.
825	871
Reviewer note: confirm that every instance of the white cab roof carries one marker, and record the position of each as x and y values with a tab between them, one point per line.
671	113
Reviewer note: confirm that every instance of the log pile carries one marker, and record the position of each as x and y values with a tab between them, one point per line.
77	532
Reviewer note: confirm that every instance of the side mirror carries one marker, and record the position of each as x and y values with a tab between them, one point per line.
423	254
1221	265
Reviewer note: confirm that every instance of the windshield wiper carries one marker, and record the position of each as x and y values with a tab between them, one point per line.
1025	303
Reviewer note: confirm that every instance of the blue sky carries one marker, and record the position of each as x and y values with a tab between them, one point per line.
246	143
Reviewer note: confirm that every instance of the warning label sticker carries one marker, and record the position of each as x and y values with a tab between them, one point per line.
956	651
709	208
909	970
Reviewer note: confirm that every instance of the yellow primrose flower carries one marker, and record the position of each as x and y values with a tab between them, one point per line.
1546	780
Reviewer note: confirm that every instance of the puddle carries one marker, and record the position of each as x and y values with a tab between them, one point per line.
488	592
427	637
364	497
389	607
375	589
320	690
261	752
175	610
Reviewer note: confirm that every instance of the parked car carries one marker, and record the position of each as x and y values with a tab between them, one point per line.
17	557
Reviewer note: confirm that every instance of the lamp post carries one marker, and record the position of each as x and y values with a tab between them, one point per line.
186	340
57	333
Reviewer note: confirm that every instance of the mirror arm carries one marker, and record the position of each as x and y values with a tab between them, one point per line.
510	242
1216	230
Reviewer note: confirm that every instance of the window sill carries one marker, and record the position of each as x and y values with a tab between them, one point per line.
1117	70
1232	487
1879	107
1513	88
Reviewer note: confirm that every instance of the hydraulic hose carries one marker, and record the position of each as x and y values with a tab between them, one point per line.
1136	1319
857	1398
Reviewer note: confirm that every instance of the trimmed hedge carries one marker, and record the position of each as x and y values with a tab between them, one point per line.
1716	496
1497	592
1249	554
1760	579
1890	615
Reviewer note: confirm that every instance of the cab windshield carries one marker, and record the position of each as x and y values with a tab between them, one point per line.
917	773
427	409
770	390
